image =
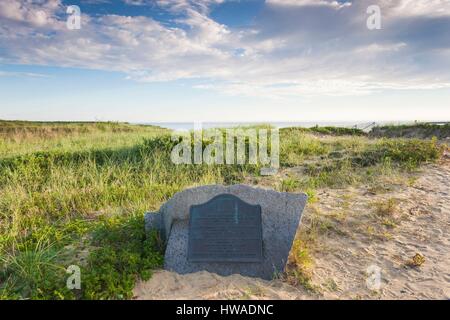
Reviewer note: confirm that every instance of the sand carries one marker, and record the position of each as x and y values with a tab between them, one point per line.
358	240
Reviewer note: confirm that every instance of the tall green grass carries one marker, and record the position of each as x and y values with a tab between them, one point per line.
77	196
417	130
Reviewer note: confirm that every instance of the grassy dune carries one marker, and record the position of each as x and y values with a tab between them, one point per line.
75	193
420	130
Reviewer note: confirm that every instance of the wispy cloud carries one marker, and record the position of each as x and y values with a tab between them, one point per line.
311	3
22	74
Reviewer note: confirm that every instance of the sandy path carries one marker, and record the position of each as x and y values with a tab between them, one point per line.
423	226
204	285
357	238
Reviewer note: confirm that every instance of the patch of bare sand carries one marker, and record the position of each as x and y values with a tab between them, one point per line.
357	235
204	285
389	239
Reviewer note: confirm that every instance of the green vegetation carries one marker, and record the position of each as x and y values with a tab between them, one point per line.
418	130
386	208
416	261
299	268
22	137
123	253
337	162
75	194
334	131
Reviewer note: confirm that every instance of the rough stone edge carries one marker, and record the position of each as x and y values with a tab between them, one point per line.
287	202
154	221
205	192
162	221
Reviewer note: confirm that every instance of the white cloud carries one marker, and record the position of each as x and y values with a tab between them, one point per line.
417	7
183	5
37	14
375	48
289	51
22	74
327	3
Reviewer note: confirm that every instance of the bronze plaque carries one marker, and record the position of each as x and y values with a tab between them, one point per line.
225	229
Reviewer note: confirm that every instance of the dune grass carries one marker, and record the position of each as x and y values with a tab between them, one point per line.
76	194
418	130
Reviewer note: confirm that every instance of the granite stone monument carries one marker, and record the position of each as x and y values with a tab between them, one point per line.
228	230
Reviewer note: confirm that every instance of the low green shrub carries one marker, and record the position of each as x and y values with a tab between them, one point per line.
122	254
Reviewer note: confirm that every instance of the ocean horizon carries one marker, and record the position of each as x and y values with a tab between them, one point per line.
208	125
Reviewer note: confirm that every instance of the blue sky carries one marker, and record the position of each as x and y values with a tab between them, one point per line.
225	60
